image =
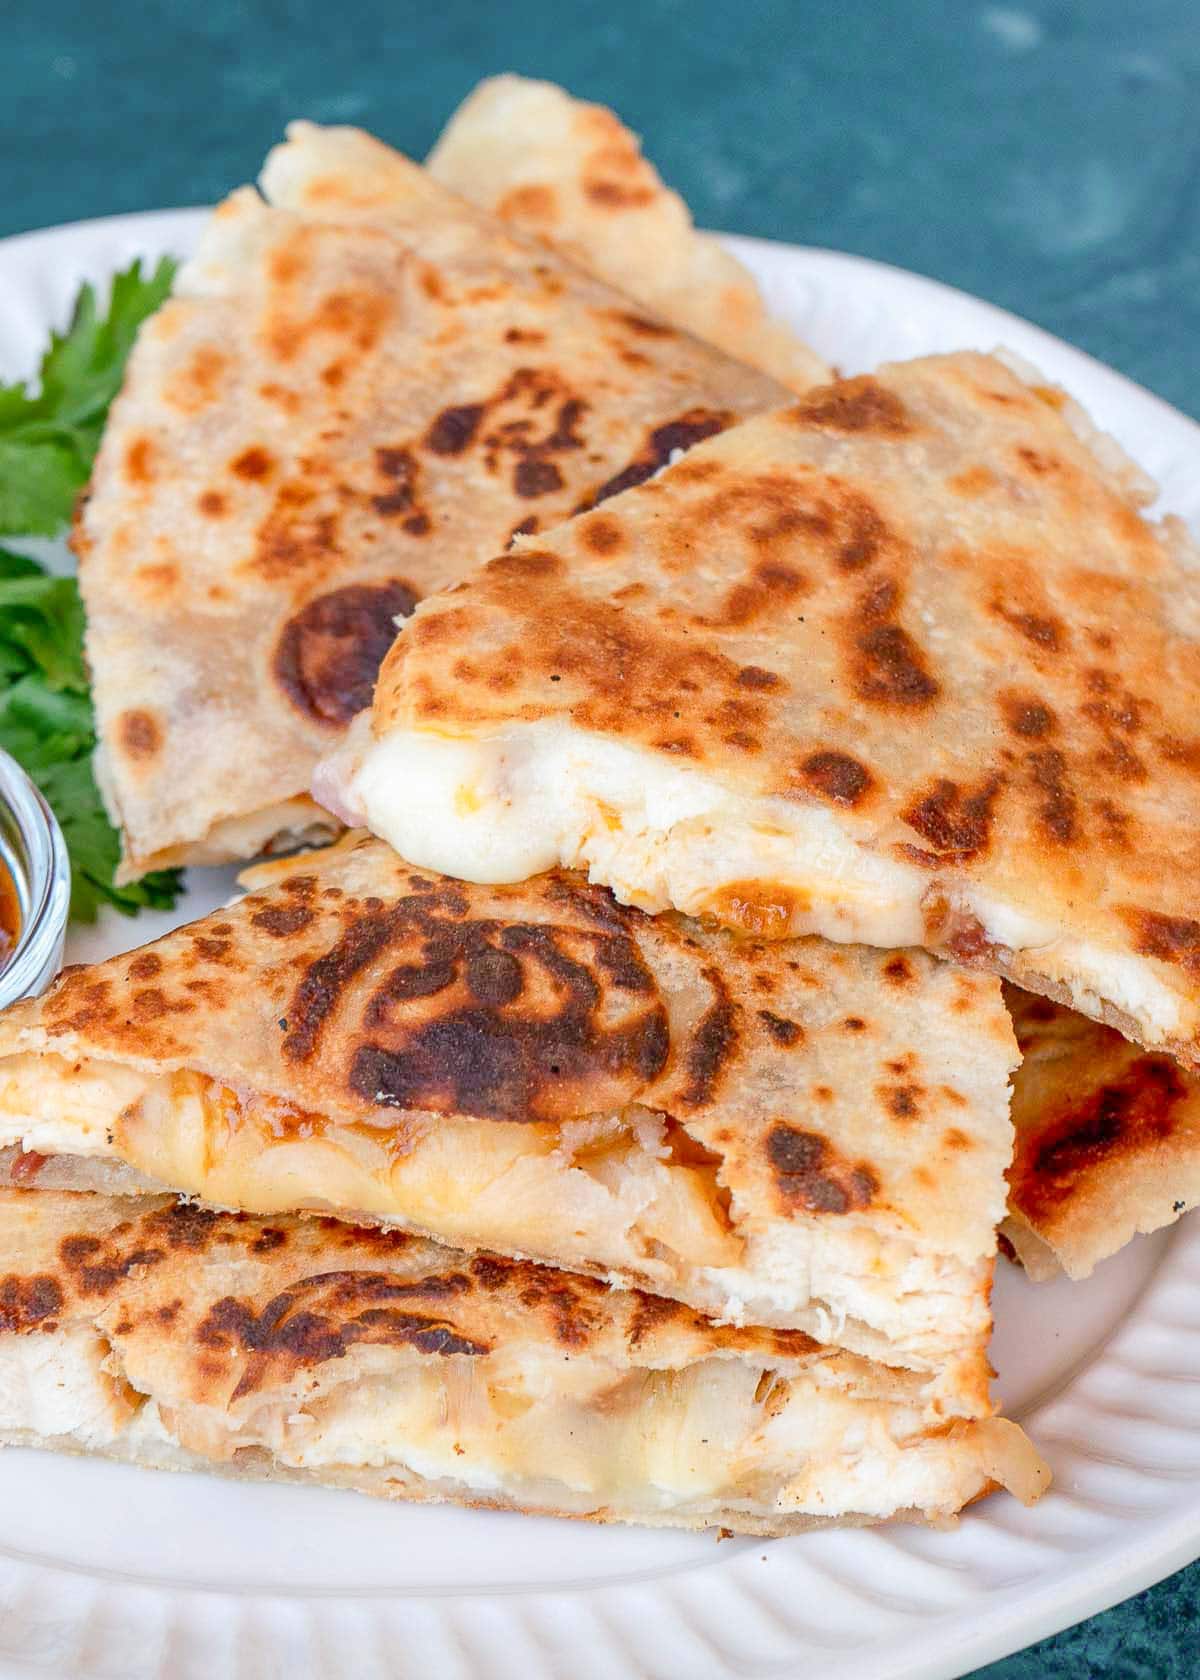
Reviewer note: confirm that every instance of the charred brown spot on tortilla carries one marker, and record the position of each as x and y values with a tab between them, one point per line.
29	1302
212	504
567	1301
644	326
768	587
523	335
783	1031
972	482
454	429
954	822
533	477
837	777
145	966
812	1177
523	1020
903	1102
1180	752
617	195
1126	1115
855	405
712	1045
96	1267
139	733
1042	629
140	455
899	971
1058	807
253	464
328	656
322	1318
755	677
281	921
649	1313
1172	939
953	1138
688	429
532	202
398	466
1027	717
198	382
601	534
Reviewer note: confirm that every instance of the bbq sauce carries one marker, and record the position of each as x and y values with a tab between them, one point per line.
10	916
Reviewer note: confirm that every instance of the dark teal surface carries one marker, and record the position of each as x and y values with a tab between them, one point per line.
1044	155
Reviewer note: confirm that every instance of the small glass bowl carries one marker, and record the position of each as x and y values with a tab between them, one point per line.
33	851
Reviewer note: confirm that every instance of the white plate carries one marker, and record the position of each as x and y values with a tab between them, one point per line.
113	1572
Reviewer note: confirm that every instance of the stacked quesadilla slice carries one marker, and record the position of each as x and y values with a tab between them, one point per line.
801	1136
360	385
177	1337
572	174
885	666
1107	1140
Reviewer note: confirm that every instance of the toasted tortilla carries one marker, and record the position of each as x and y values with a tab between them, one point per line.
1107	1145
178	1337
360	385
574	175
902	664
809	1137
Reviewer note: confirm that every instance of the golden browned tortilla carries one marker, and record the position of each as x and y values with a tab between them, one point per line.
904	663
808	1136
360	385
176	1337
1107	1140
574	175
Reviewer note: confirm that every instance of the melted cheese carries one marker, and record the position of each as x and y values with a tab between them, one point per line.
505	807
600	1196
716	1438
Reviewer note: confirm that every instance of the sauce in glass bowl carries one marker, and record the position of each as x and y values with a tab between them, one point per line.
10	915
35	886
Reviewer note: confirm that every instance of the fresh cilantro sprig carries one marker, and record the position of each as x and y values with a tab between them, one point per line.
48	441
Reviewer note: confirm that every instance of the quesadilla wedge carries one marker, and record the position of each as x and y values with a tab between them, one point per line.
808	1137
176	1337
574	175
902	664
360	385
1107	1140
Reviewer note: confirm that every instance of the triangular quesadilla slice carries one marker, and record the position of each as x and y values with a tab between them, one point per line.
308	1350
574	175
360	385
903	664
1107	1140
804	1136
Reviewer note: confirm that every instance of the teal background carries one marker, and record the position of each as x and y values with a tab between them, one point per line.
1043	154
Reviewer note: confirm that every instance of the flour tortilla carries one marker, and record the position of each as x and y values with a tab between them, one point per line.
177	1337
360	385
806	1136
1108	1140
904	664
573	174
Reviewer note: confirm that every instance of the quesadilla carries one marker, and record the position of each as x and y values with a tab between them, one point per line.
574	175
177	1337
806	1137
1107	1140
360	385
902	664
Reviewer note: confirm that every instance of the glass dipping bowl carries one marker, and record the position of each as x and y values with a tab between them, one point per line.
33	851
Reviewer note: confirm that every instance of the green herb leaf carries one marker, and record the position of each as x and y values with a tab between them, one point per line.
48	441
47	444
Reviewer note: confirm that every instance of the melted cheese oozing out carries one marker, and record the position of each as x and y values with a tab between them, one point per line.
718	1435
505	807
601	1194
